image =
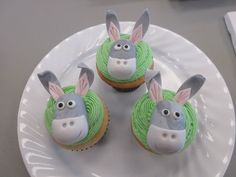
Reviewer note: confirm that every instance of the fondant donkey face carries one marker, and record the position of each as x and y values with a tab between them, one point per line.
122	57
167	132
70	123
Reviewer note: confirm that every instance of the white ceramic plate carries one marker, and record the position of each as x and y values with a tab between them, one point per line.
118	154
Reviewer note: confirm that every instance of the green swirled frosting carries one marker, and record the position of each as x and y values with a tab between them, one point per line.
94	108
142	113
144	59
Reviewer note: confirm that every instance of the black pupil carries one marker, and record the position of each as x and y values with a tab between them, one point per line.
118	45
177	114
70	103
126	46
166	112
60	105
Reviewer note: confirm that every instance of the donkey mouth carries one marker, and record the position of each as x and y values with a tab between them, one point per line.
70	130
121	69
165	141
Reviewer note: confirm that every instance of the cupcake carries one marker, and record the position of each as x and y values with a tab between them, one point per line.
163	121
123	59
75	117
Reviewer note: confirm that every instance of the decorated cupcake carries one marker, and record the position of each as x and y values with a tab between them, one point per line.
163	122
123	59
75	116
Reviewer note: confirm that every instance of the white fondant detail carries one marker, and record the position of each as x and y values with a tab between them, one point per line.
121	69
69	130
164	141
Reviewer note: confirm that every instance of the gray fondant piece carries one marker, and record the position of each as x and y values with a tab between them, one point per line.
88	71
78	110
46	77
70	123
144	21
168	121
116	68
112	17
122	53
195	83
152	74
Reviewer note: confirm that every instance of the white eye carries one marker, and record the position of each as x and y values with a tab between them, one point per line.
60	105
176	115
165	112
117	46
126	47
71	104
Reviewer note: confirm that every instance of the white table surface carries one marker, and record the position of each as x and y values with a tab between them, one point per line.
30	28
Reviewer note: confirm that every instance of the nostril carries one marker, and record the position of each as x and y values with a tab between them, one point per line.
125	62
118	62
173	136
72	123
64	125
164	135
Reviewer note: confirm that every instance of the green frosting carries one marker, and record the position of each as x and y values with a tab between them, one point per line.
94	108
143	110
143	59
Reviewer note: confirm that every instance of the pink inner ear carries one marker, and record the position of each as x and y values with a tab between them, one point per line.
137	34
114	32
55	90
183	95
82	86
155	91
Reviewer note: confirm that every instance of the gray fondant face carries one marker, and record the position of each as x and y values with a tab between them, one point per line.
168	115
70	123
122	62
167	133
122	49
70	105
122	59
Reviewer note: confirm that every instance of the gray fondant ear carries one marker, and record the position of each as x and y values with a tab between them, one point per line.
88	71
86	78
152	74
140	27
51	84
113	26
189	88
46	77
153	82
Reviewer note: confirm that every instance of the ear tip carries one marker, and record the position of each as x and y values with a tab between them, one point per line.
200	77
82	65
150	74
146	11
44	73
146	14
110	12
40	75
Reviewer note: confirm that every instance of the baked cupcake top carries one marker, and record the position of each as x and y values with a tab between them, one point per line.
142	113
123	57
163	121
94	109
74	114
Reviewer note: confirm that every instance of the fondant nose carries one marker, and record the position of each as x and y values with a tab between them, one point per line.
121	62
69	130
165	141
